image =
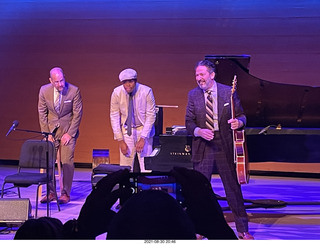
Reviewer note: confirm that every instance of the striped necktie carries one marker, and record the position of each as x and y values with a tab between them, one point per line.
57	102
209	111
130	115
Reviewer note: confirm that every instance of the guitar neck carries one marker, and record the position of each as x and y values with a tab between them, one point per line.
233	113
234	84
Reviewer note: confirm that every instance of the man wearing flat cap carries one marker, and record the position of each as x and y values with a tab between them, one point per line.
132	114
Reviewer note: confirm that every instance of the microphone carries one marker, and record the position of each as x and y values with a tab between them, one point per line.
14	125
53	133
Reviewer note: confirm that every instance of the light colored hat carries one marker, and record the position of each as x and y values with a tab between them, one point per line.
127	74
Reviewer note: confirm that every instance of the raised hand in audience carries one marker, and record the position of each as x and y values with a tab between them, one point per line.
96	213
201	204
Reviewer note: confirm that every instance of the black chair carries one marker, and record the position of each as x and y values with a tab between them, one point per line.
33	157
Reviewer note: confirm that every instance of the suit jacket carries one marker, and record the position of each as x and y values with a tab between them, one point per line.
70	114
196	117
144	108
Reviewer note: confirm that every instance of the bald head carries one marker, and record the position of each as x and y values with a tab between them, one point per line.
55	71
57	78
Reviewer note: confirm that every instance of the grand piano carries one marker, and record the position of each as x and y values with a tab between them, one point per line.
283	120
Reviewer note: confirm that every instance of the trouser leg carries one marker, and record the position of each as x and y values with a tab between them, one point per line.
131	143
227	172
67	159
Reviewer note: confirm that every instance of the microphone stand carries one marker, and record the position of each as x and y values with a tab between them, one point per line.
46	135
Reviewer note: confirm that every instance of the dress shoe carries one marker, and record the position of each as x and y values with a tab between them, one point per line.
51	198
245	236
63	199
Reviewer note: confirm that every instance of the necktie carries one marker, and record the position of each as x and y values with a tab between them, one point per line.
209	111
57	102
130	115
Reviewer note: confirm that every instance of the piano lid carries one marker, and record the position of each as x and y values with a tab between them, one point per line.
265	102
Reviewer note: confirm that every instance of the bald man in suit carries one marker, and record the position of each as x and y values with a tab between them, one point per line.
212	144
60	105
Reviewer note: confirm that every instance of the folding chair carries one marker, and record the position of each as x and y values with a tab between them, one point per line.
33	157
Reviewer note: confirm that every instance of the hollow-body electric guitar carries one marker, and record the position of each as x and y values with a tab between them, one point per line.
240	147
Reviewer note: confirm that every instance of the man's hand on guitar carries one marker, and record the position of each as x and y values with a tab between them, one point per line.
235	123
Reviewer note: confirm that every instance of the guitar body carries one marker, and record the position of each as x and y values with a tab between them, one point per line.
240	146
240	157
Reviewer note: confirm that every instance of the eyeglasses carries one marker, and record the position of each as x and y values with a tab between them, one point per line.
59	82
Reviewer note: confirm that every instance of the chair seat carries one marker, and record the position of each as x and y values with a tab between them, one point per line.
26	178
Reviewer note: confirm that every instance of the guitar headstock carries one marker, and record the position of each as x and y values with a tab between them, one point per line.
234	84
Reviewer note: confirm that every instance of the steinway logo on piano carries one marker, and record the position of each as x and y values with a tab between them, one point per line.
187	152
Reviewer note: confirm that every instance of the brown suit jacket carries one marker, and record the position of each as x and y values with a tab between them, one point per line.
70	114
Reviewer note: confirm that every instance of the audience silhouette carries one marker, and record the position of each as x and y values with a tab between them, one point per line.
150	214
44	228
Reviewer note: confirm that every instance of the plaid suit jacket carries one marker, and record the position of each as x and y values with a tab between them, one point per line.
196	117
